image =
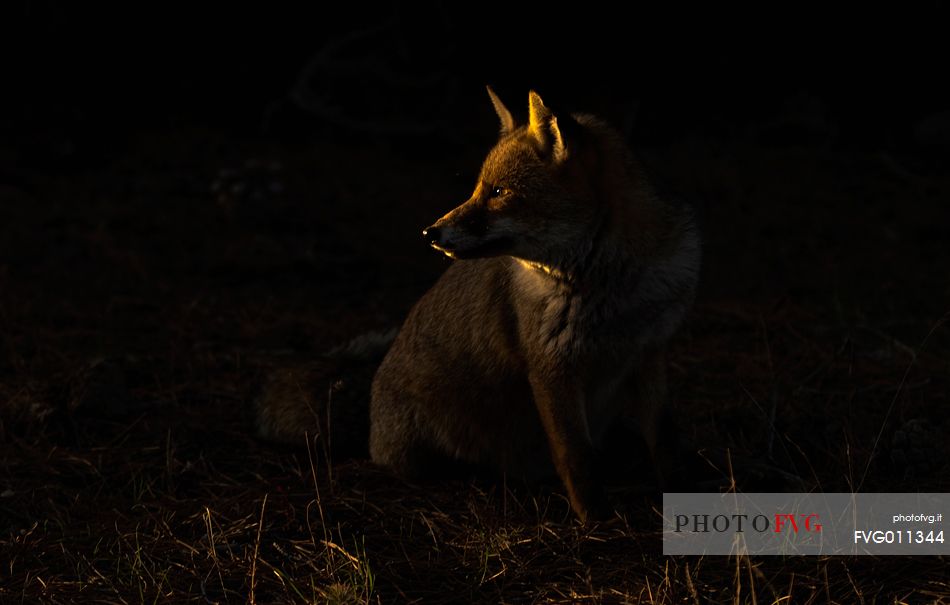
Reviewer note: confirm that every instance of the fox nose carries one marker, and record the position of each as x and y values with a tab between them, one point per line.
432	234
437	238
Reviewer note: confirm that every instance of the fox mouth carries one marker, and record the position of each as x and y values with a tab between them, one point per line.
481	249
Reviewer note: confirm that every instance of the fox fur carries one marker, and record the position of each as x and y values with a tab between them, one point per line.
571	275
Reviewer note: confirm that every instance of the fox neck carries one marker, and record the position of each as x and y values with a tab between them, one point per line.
625	238
549	270
598	258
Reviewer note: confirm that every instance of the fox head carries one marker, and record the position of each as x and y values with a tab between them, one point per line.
531	200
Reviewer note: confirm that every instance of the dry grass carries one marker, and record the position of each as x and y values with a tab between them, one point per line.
137	326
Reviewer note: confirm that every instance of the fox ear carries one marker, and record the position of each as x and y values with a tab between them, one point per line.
542	125
507	122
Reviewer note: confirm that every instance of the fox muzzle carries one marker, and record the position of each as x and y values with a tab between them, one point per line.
436	238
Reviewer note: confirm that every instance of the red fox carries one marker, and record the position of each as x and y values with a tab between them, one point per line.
571	275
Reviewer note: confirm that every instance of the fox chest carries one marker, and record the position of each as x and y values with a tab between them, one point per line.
598	331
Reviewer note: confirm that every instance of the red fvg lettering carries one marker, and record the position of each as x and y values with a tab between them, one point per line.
810	522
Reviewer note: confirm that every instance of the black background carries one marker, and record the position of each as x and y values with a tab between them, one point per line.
109	69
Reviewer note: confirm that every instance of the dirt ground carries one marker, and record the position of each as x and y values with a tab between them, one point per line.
148	285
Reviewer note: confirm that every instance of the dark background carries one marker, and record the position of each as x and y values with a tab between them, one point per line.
113	69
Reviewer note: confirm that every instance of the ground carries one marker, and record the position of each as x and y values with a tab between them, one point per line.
149	284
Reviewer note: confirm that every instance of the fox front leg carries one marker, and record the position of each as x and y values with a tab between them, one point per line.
560	405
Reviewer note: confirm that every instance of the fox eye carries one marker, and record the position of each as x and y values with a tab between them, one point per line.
497	191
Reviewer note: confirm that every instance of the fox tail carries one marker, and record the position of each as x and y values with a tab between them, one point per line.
326	399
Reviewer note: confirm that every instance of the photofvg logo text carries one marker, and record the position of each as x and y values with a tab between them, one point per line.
740	522
803	524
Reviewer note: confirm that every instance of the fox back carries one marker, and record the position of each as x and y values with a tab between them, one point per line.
571	276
